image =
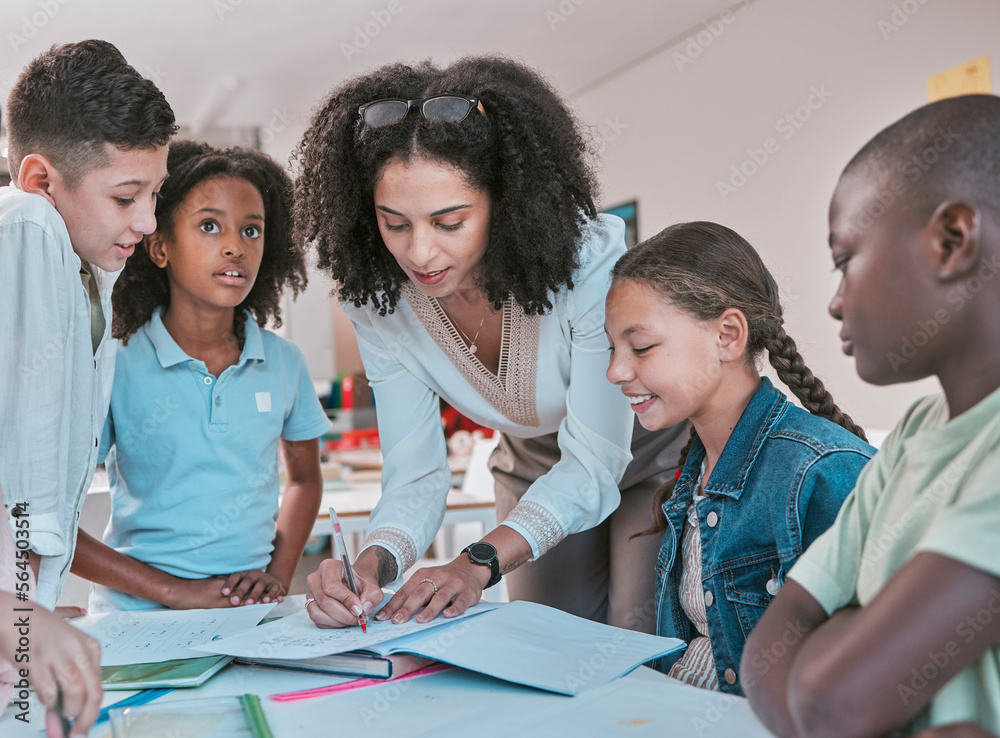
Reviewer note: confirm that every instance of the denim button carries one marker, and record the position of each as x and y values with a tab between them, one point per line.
709	598
208	380
218	401
772	586
730	676
712	519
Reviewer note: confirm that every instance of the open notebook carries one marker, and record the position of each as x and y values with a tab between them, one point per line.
519	642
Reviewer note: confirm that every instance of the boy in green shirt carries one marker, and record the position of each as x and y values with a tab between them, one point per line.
891	620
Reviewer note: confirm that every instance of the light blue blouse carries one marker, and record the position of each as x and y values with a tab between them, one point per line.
551	379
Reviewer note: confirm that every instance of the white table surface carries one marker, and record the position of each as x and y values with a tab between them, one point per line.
461	703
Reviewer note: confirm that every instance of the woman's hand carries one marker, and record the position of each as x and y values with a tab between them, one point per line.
335	606
254	585
451	589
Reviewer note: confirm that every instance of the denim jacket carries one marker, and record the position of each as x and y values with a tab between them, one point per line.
779	483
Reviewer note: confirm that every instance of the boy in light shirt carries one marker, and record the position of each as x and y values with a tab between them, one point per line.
87	141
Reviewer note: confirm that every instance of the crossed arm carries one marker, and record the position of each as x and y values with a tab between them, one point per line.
853	673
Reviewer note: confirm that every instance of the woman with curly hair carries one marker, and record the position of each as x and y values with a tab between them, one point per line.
454	208
202	396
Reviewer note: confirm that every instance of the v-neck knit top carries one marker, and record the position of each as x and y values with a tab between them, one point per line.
551	379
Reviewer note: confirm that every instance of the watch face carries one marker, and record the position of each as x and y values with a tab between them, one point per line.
483	552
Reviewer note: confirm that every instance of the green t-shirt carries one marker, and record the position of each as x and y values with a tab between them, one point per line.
933	486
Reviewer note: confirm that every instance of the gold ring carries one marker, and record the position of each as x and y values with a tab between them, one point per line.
430	583
309	601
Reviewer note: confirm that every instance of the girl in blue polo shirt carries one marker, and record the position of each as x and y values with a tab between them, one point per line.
689	314
203	397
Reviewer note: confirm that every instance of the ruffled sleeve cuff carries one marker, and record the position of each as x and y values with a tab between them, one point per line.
537	525
398	543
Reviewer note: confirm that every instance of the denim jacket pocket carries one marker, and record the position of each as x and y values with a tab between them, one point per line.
749	589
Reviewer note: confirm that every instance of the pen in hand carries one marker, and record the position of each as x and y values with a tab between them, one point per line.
338	539
64	722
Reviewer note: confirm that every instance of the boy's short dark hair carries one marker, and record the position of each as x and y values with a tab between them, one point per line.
75	98
946	149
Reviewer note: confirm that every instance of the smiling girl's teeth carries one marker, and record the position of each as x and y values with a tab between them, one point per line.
641	398
232	274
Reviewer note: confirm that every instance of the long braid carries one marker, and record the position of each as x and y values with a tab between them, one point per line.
792	370
703	269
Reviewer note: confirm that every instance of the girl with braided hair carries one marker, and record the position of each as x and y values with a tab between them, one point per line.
454	209
688	314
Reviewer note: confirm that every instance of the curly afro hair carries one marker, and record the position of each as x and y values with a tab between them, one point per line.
143	287
525	152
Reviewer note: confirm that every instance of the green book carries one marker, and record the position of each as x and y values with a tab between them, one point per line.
176	673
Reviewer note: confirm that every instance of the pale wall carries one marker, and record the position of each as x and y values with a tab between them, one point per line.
673	131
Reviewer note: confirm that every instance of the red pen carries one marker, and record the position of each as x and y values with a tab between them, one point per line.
338	539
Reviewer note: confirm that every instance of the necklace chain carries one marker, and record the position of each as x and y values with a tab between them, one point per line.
472	342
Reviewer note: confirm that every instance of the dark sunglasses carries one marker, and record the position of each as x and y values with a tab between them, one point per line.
439	109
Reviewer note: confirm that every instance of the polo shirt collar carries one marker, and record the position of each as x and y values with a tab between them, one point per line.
731	471
170	354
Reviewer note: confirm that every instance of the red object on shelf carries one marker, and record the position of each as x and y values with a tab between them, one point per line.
362	438
455	421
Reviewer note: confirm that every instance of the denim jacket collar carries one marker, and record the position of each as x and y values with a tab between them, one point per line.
731	471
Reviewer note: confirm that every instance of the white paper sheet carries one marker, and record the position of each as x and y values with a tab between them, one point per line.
297	637
151	636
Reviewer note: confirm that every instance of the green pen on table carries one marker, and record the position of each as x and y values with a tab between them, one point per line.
338	540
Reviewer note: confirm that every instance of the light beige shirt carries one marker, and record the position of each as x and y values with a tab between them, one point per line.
54	388
933	486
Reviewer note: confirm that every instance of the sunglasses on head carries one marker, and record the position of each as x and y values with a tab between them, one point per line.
439	109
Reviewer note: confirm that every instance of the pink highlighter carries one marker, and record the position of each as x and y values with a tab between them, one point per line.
338	540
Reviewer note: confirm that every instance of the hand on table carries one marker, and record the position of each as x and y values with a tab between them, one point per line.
194	594
254	585
451	589
335	605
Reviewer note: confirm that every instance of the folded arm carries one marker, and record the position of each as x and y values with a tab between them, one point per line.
852	674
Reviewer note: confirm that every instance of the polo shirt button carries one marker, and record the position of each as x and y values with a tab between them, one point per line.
713	519
730	676
218	401
208	380
772	586
709	598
